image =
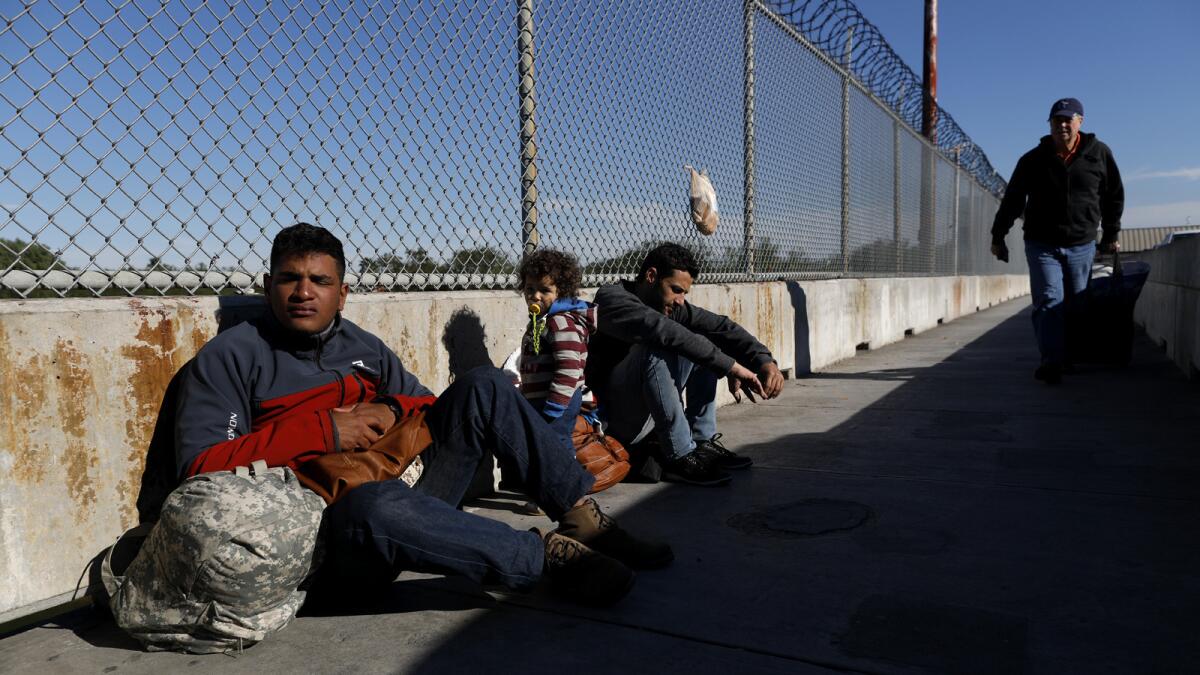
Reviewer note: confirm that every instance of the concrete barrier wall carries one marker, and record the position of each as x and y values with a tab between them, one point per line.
845	315
81	382
1169	307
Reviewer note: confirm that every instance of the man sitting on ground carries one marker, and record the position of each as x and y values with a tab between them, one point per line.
653	345
302	381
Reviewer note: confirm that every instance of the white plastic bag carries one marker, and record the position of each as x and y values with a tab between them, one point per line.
703	202
512	367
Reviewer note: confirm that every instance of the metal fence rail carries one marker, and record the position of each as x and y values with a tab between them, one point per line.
157	148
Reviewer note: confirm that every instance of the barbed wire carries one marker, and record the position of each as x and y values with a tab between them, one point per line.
829	23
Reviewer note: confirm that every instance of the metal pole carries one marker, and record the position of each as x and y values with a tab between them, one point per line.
957	206
847	53
929	74
748	11
896	195
927	236
529	215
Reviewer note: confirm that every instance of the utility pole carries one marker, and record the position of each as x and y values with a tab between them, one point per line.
927	232
929	74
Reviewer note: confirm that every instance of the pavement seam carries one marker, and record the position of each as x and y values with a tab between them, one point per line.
1093	493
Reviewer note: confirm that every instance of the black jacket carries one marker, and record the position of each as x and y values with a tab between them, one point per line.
703	337
1063	205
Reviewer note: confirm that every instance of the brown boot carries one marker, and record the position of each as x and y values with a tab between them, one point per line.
583	575
588	524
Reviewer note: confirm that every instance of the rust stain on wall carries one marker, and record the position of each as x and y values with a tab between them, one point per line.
735	309
23	391
75	392
199	337
156	355
766	319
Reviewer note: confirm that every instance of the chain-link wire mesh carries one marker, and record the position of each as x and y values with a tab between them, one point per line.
150	149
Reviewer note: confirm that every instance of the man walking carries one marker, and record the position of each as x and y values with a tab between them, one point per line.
653	345
1066	187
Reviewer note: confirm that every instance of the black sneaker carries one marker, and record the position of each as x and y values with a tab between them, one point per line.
583	575
718	455
1050	373
694	468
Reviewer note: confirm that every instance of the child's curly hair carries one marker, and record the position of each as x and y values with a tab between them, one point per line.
562	268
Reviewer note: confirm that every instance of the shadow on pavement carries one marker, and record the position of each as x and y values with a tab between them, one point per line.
955	516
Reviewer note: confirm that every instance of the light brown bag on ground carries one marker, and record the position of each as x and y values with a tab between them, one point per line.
599	454
333	475
703	202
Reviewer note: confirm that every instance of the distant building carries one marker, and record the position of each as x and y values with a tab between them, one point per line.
1145	238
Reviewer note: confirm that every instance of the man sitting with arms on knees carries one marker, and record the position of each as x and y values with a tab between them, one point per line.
302	381
651	346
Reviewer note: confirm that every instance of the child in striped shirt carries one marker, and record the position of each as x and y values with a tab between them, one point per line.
554	347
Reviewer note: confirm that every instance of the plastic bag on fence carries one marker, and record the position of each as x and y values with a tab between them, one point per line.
703	202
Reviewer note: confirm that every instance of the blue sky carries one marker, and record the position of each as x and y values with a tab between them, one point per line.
1134	65
193	129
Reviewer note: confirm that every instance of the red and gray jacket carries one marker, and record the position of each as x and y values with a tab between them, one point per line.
257	391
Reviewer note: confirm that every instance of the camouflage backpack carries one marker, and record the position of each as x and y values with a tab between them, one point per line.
222	567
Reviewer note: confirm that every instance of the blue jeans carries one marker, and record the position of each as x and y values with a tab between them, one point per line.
644	394
380	529
1056	274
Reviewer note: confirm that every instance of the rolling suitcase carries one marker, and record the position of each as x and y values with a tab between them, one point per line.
1100	319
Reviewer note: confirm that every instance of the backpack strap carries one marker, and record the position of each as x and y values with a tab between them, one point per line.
257	468
112	582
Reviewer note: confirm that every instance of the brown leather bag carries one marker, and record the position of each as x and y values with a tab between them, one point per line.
601	455
333	475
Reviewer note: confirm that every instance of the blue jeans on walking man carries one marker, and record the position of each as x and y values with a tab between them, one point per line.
1056	274
380	529
645	395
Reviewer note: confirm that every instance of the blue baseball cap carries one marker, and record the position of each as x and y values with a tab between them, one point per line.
1066	107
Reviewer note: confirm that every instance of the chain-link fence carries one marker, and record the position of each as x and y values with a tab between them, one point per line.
157	148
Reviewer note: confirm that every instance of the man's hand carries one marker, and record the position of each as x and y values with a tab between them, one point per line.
1000	251
771	378
359	426
1111	247
742	378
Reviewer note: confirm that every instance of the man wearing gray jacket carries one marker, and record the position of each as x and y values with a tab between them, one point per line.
651	347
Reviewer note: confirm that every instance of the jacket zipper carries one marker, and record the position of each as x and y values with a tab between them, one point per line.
362	387
340	382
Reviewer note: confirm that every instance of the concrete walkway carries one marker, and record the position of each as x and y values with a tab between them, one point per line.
926	507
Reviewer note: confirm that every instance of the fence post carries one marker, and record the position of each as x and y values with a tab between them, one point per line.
896	195
957	206
846	151
529	215
748	10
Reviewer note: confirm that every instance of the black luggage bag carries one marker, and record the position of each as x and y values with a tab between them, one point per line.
1100	319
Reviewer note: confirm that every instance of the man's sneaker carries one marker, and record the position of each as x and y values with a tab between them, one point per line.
1050	373
583	575
694	468
720	456
586	523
